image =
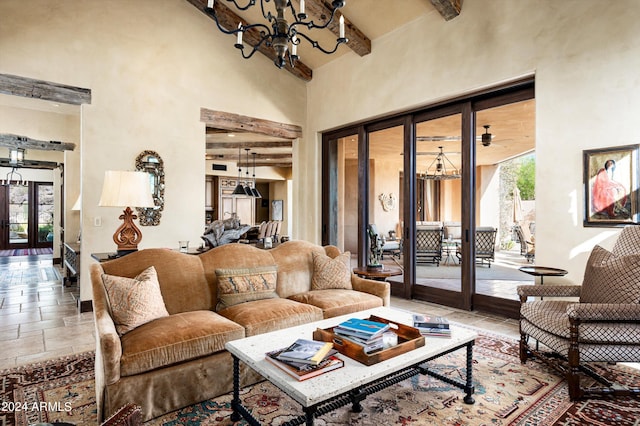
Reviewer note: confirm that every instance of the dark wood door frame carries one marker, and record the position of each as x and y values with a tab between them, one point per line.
468	105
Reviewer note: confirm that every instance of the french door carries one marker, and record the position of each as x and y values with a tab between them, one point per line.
402	158
26	215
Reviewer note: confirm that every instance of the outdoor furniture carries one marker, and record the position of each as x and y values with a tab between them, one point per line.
379	245
429	244
527	247
485	245
602	326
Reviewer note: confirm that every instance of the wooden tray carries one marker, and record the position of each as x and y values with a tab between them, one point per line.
409	338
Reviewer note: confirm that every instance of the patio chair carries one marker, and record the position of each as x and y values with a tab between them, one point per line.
527	247
429	244
485	245
383	245
602	326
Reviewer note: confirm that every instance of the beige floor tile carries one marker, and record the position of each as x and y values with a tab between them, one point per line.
22	347
7	363
21	318
42	325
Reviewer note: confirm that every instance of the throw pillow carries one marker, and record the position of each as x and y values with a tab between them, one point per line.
237	286
331	273
611	279
134	301
628	241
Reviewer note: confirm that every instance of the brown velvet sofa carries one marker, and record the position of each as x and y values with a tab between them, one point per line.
179	360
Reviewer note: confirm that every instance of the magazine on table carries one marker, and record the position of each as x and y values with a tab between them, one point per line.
303	371
362	328
369	347
306	351
435	331
430	321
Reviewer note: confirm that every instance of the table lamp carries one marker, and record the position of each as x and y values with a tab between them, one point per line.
124	189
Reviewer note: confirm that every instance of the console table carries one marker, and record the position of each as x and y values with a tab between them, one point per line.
71	263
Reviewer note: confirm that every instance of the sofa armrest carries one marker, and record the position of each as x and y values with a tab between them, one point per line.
382	289
525	291
604	312
108	342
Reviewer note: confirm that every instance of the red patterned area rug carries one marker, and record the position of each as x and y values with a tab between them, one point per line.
506	393
26	252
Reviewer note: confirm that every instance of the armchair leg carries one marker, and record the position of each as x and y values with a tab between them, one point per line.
524	348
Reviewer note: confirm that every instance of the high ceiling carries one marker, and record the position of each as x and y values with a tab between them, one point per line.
512	126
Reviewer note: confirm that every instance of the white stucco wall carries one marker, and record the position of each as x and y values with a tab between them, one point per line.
151	65
585	55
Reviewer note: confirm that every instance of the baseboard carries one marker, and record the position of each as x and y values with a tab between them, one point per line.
85	305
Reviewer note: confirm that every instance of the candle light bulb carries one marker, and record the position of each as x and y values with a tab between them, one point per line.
341	26
302	7
210	4
294	46
239	39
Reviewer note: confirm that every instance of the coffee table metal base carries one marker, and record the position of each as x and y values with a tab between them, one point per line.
359	394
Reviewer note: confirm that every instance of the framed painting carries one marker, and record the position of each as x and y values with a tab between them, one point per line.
611	186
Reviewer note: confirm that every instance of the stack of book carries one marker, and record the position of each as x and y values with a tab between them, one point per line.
430	325
366	333
305	358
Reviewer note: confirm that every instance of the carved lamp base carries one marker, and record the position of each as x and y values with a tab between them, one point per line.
127	236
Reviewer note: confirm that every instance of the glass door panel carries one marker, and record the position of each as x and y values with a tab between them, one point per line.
386	164
44	215
438	210
347	195
505	170
18	215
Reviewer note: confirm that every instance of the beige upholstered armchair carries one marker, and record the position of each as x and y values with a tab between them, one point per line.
603	325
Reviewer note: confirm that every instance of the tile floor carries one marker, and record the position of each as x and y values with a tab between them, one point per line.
39	318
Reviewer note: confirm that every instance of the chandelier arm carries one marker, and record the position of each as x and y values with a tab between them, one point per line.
450	163
250	4
316	45
212	13
255	48
311	24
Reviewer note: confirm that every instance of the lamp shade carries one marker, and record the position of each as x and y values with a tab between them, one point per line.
124	188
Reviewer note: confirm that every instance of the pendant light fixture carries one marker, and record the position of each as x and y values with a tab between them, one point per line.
247	188
239	189
255	191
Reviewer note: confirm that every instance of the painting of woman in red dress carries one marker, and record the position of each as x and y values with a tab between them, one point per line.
609	197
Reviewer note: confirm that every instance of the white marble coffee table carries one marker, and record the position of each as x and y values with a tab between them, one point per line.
351	383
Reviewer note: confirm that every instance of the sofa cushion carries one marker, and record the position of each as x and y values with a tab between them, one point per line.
338	302
611	279
246	284
262	316
176	338
628	241
331	273
134	301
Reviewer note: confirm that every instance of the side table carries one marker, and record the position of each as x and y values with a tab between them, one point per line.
543	271
378	274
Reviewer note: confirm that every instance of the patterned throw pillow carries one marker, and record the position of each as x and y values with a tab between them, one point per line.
331	273
628	241
134	301
611	279
237	286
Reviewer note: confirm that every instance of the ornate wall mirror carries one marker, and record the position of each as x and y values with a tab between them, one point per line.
151	162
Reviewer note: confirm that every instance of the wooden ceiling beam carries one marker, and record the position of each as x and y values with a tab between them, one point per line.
449	9
30	164
241	123
262	157
14	141
229	21
320	11
251	144
39	89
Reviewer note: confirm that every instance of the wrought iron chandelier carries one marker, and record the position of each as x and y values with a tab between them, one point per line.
279	33
441	168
